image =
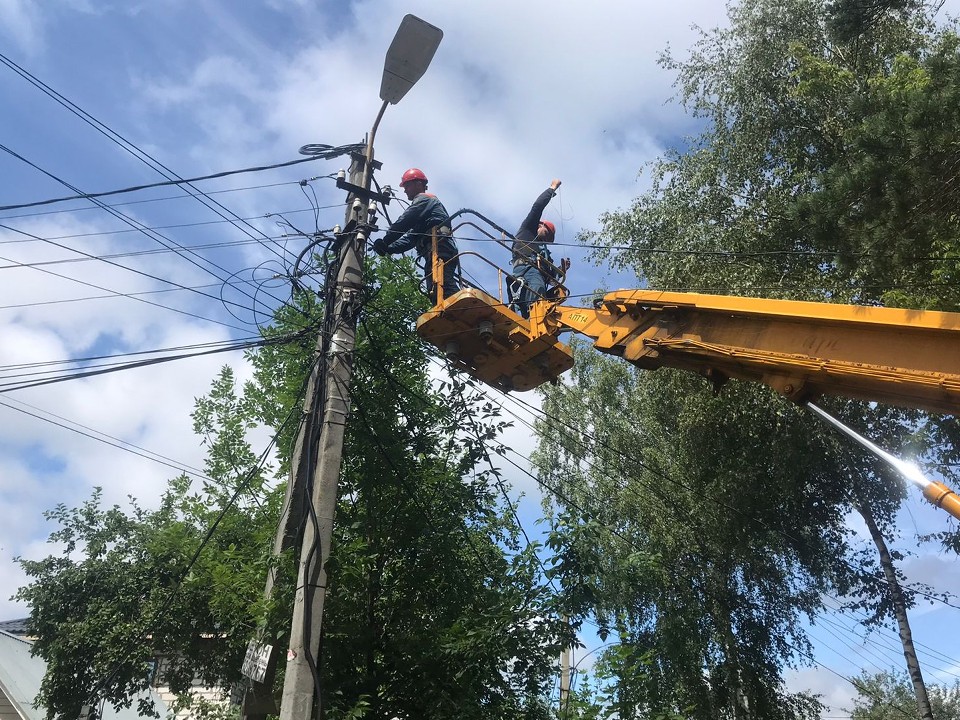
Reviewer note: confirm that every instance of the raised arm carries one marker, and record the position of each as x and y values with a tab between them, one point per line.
532	220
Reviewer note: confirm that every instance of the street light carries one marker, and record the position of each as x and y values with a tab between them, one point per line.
408	57
410	53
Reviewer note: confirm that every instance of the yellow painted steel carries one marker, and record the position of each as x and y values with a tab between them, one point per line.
484	337
943	497
803	350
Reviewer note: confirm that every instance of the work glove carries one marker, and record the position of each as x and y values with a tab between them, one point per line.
379	247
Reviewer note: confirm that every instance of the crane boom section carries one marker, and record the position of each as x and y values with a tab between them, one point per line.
801	349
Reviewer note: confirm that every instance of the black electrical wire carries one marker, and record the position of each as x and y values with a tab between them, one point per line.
331	270
179	226
163	198
104	438
576	431
725	254
117	356
9	387
317	151
130	254
554	491
179	181
897	650
153	235
110	262
138	298
157	236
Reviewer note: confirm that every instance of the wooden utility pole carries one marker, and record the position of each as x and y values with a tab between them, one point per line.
300	687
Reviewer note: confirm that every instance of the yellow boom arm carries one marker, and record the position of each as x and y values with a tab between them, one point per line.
803	350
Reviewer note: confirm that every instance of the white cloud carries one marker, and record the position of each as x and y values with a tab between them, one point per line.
517	94
20	22
835	693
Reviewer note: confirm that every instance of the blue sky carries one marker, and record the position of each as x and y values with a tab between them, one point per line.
517	94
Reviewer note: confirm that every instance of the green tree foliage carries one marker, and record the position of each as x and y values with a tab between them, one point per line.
826	170
702	527
848	20
889	207
121	574
888	696
435	609
697	533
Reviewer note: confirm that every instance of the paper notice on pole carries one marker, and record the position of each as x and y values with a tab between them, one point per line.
256	660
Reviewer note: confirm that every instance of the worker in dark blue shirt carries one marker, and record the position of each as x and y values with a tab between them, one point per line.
532	262
412	231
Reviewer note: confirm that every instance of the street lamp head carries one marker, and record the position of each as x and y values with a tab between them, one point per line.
408	57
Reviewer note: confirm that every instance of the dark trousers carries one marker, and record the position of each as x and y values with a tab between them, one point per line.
451	269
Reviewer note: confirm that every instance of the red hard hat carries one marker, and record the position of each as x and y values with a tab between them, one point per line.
550	226
412	174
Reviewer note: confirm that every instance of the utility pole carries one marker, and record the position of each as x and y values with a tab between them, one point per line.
258	700
407	59
330	375
299	688
564	677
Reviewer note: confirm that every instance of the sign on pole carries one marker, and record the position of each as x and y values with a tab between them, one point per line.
256	660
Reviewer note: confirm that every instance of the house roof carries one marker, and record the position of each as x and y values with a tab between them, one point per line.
15	627
21	674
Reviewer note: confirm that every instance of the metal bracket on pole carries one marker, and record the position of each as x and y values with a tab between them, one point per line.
362	192
358	190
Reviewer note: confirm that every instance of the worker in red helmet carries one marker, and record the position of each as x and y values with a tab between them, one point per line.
412	231
533	266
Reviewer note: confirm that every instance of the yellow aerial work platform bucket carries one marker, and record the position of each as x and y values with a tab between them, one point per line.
483	336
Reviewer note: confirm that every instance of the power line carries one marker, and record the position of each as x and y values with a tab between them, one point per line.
181	181
175	226
112	441
138	272
152	234
163	198
724	254
9	387
111	296
129	254
117	356
324	151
